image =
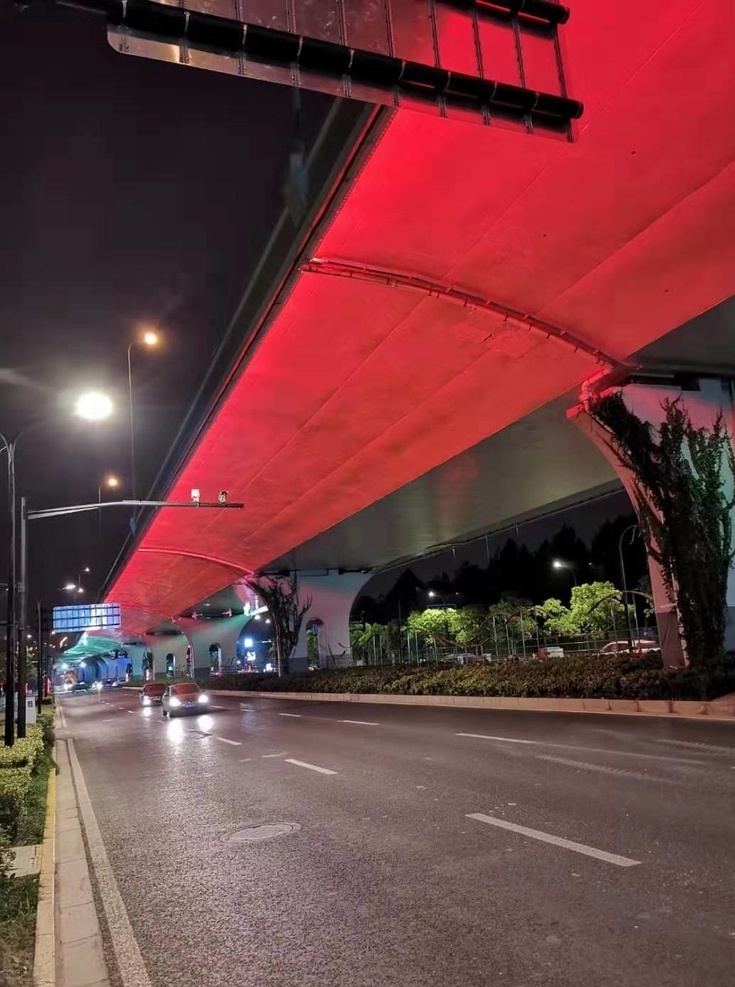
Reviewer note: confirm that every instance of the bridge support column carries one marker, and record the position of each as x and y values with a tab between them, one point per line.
703	401
332	594
204	634
161	645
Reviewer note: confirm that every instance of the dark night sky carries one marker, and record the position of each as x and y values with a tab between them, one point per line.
132	192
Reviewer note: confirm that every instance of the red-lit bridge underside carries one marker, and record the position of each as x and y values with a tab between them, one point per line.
359	386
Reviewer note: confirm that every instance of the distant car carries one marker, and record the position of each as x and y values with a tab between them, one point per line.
185	697
473	659
640	647
80	687
551	651
151	694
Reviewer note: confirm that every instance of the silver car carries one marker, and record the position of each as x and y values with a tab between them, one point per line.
184	697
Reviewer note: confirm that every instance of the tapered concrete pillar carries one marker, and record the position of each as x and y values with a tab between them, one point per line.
332	594
703	400
164	644
221	632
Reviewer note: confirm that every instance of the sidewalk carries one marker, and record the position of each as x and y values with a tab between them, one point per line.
80	960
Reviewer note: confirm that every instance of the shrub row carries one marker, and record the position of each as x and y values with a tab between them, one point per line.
17	765
610	677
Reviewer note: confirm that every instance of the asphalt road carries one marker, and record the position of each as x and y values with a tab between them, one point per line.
432	848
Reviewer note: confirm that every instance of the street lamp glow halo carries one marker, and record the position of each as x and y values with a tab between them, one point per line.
150	338
93	406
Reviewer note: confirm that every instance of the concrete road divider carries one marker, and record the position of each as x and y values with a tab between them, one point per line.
718	709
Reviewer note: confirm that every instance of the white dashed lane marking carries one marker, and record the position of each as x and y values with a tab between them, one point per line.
311	767
224	740
295	715
361	723
503	740
536	834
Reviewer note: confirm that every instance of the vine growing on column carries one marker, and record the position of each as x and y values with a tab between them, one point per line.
684	499
280	595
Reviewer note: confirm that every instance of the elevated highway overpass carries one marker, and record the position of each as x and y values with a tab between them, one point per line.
399	372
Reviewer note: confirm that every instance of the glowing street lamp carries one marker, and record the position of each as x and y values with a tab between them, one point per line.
560	564
93	406
109	482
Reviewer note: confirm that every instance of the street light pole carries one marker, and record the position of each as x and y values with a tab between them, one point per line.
558	564
150	339
41	672
93	406
111	482
25	516
132	424
624	580
10	446
22	617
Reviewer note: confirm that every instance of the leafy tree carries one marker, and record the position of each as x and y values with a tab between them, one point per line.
512	622
684	499
596	609
432	625
280	595
469	627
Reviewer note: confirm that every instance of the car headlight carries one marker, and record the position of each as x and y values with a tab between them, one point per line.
204	698
173	701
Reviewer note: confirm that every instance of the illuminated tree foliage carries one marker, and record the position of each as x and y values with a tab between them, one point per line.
280	595
684	500
596	609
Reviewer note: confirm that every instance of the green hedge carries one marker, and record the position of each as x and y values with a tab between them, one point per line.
15	783
24	752
17	764
609	677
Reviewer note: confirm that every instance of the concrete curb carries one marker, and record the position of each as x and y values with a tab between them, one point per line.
676	709
44	959
80	951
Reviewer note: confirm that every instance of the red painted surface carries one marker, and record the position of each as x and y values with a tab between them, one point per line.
359	388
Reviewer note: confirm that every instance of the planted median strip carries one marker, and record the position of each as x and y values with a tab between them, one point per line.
25	770
604	677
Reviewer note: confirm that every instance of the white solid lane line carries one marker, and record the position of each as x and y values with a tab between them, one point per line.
122	937
536	834
574	747
605	770
361	723
504	740
311	767
290	714
224	740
